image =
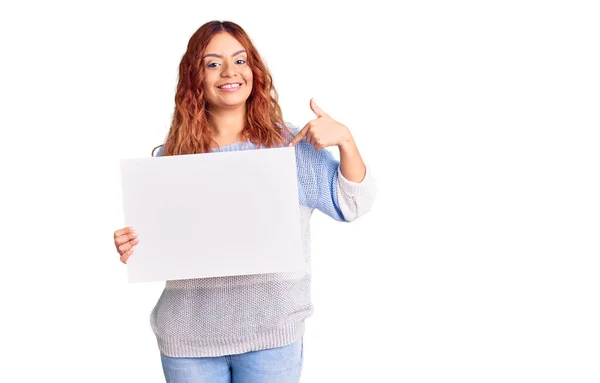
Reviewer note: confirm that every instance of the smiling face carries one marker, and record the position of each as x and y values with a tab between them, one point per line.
227	76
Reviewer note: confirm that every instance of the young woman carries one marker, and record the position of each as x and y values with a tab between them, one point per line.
247	328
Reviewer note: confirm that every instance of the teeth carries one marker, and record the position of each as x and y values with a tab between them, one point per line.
227	86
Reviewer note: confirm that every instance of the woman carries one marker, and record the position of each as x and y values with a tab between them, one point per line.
247	328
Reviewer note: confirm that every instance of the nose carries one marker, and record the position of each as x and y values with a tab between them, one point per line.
228	69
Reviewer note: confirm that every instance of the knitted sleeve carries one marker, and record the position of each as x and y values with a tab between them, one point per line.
356	198
322	185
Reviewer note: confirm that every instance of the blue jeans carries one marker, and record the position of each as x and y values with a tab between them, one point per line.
277	365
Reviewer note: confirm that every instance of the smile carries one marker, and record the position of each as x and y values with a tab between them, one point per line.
230	86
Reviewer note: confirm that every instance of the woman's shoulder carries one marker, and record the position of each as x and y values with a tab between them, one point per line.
289	128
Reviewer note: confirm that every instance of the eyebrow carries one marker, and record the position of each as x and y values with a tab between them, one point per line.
219	56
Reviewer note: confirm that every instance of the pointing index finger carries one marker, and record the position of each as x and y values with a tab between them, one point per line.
299	136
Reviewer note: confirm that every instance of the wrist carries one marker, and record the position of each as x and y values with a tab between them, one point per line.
346	140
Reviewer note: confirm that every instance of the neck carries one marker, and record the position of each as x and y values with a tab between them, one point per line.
226	125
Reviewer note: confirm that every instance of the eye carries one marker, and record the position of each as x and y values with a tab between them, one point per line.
213	64
240	61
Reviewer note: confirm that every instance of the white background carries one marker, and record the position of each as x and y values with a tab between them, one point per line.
479	261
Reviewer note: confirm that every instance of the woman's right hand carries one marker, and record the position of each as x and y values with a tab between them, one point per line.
125	239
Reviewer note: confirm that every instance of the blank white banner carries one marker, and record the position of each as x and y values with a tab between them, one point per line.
213	214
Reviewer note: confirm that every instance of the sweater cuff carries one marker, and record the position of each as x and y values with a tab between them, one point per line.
355	189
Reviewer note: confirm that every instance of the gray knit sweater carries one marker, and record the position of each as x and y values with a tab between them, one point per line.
236	314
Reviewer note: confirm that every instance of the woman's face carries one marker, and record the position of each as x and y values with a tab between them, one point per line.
227	76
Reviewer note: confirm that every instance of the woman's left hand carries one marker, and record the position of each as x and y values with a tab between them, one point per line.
323	131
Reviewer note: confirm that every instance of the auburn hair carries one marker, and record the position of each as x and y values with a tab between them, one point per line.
189	132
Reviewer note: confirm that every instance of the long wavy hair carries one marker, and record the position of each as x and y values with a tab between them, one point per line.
189	132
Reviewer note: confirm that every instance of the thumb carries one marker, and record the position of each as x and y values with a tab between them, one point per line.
318	111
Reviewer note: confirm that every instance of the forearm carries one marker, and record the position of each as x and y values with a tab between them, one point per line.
351	164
